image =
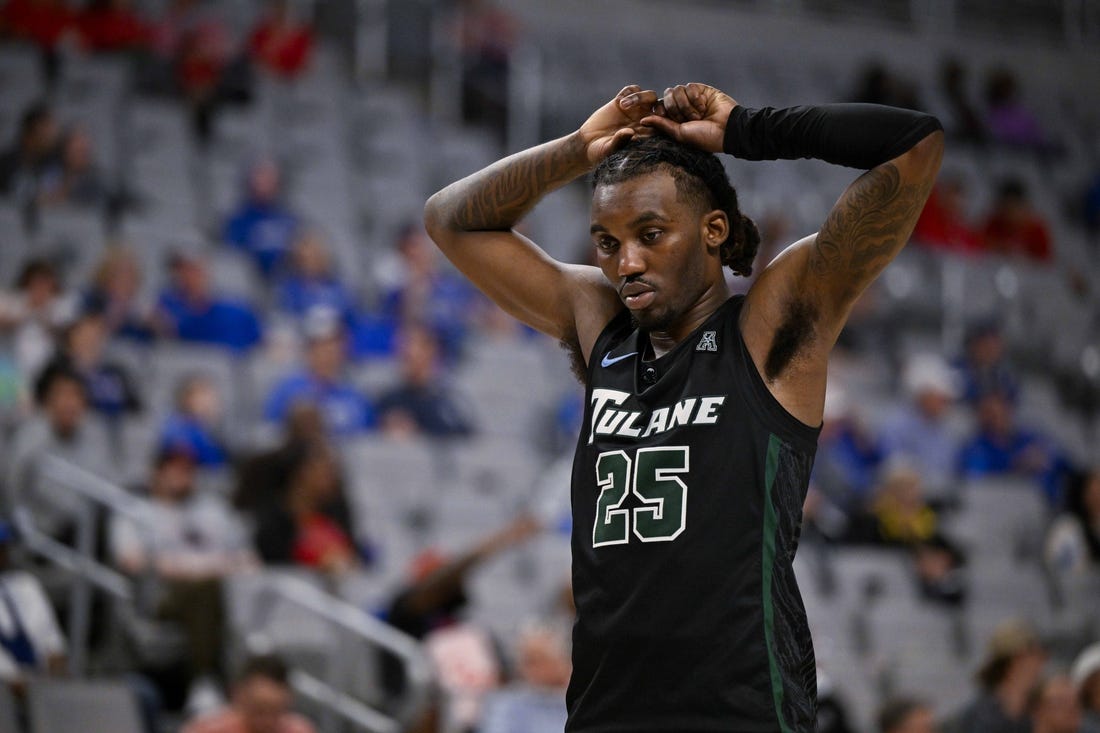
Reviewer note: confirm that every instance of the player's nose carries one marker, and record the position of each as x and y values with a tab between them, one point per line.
631	259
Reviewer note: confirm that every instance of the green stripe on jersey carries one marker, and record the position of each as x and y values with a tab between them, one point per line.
771	522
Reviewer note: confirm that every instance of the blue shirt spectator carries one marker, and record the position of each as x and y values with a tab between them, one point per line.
984	367
190	312
1000	447
918	431
346	411
262	226
310	283
420	403
186	433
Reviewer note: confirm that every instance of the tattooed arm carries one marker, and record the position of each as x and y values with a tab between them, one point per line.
472	221
795	310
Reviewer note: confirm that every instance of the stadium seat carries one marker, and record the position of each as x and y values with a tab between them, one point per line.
81	706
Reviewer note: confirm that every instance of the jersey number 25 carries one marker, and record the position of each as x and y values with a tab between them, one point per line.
652	475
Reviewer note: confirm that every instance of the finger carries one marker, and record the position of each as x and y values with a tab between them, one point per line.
672	109
697	94
628	89
638	98
663	125
621	138
683	102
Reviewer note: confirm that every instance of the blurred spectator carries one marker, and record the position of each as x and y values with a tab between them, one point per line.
310	526
280	43
1013	663
487	35
74	178
535	703
1073	540
34	150
31	641
879	85
1014	228
195	424
943	223
845	469
939	566
965	123
900	514
46	23
262	226
421	402
984	367
416	289
190	311
1086	678
259	703
1054	706
918	431
1010	122
203	58
115	294
466	660
262	477
310	281
191	540
1000	447
63	427
112	25
906	715
34	314
324	382
111	389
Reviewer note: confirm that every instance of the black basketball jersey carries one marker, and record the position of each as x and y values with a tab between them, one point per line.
687	494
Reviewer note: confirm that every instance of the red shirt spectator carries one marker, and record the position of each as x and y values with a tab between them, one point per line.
112	25
42	21
943	224
1014	228
280	44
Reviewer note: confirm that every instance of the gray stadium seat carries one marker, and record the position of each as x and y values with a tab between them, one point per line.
82	706
9	722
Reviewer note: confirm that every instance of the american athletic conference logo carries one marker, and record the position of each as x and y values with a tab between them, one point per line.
709	342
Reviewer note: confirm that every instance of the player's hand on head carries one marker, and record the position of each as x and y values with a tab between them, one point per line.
694	114
613	124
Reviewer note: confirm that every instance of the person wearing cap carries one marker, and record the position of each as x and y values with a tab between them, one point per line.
324	381
1085	674
919	431
1054	706
1013	664
192	541
189	310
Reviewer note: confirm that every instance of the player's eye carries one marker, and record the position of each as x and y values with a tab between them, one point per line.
606	244
651	235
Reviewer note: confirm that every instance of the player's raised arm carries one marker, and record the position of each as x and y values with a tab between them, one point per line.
472	219
795	311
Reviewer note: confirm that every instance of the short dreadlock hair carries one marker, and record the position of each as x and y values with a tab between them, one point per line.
700	179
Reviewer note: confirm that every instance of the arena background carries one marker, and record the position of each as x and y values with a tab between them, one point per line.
208	218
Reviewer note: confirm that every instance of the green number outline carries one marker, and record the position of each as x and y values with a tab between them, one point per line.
620	479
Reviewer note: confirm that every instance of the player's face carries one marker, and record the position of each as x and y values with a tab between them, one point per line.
650	246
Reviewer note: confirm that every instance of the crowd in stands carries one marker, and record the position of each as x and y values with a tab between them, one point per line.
78	345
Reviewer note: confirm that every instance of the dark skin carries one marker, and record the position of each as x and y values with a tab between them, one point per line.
659	255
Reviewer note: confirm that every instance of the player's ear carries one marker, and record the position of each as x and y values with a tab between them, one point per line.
716	228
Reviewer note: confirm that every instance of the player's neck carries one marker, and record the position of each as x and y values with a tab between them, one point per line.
665	340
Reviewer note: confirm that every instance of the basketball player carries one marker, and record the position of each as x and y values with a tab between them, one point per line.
702	409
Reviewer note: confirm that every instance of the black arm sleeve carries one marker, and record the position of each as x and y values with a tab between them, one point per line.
853	135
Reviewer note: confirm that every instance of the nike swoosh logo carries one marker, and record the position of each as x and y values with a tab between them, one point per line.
608	361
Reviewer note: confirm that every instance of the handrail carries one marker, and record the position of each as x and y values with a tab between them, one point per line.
350	618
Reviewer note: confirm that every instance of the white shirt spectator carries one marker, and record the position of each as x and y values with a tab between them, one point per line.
35	616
